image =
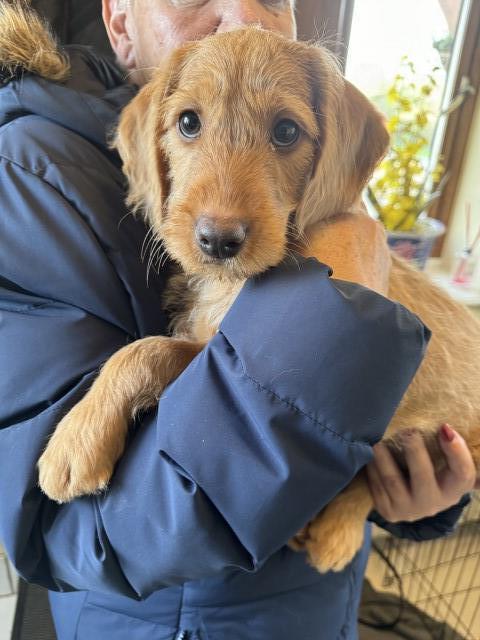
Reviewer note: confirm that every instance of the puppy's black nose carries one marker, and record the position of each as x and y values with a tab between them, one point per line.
219	239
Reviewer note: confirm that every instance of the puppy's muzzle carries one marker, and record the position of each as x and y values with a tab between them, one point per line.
218	239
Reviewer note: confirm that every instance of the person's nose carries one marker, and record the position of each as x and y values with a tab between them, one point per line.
235	14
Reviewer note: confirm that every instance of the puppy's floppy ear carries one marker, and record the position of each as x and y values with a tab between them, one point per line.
138	139
352	140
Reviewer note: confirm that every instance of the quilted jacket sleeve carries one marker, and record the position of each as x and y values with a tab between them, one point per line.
269	422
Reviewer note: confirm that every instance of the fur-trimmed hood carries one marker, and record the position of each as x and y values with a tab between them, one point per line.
27	45
74	87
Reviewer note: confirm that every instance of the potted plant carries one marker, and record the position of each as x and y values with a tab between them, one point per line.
404	186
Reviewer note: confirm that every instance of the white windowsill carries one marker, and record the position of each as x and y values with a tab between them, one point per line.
469	296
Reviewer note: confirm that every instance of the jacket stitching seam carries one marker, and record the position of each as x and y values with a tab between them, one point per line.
297	409
41	177
48	162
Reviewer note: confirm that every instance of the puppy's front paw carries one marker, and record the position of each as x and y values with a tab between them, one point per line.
333	540
81	454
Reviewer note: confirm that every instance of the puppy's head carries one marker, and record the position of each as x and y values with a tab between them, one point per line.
237	138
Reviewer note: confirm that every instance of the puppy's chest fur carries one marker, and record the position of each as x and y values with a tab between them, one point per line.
197	305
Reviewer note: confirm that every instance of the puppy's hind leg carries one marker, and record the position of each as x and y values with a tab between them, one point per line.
336	534
85	446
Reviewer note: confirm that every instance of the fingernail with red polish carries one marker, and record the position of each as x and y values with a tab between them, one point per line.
447	432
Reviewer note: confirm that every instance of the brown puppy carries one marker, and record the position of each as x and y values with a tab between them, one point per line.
240	143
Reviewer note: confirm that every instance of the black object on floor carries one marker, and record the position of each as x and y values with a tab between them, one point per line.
33	620
378	609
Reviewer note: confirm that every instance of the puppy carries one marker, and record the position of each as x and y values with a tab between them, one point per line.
241	142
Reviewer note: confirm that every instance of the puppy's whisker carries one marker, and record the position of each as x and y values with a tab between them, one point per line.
296	239
294	256
163	258
155	250
295	248
143	247
147	241
294	231
124	217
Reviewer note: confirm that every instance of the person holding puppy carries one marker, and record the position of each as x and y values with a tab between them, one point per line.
190	539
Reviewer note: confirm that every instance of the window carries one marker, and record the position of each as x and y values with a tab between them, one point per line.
432	33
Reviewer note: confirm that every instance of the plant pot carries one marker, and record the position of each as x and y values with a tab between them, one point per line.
416	245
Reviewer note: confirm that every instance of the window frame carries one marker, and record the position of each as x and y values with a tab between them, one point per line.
459	124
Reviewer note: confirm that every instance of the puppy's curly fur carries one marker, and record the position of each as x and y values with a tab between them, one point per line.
241	84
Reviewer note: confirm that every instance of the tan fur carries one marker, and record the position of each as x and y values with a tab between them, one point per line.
27	44
241	83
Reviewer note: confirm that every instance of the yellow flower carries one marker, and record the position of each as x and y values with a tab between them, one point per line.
401	184
422	119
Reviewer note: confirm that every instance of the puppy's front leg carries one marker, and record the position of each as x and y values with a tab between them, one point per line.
85	446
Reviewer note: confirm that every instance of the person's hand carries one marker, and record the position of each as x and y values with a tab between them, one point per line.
424	493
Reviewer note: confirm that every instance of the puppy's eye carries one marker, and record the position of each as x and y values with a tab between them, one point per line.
285	133
189	124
